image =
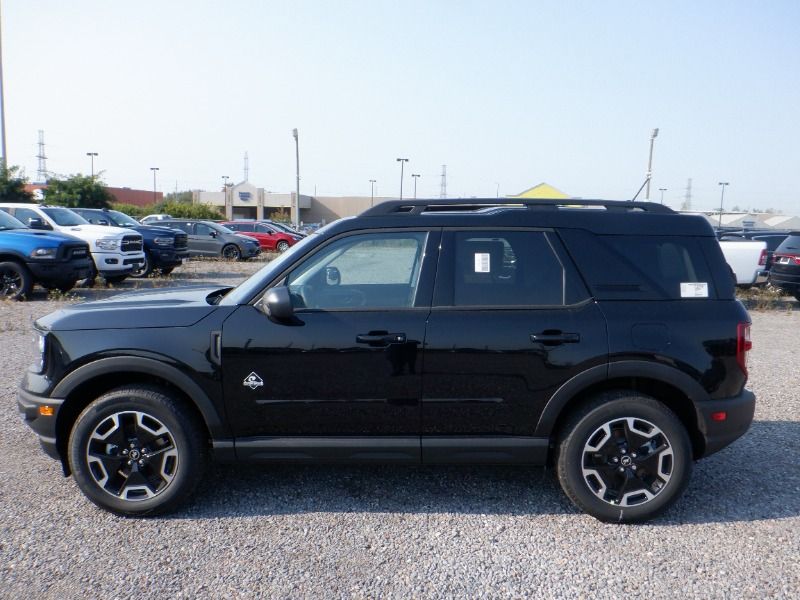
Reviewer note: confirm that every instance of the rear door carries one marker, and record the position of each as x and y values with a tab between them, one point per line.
510	323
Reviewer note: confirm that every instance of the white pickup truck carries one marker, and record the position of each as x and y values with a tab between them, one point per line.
747	259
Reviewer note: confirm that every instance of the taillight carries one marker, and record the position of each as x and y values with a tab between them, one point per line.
743	345
795	258
762	260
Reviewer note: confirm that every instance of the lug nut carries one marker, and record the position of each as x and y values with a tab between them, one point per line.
141	463
615	459
633	454
130	462
621	469
633	467
624	451
125	452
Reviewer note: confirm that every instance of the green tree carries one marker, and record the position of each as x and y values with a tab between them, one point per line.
78	191
188	211
12	185
184	197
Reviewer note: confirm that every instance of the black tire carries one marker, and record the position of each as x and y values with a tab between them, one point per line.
231	252
146	268
632	432
117	429
282	246
16	281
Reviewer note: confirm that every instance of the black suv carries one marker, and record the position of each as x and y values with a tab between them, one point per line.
164	248
785	271
601	337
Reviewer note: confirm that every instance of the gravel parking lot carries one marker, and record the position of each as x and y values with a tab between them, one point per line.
406	532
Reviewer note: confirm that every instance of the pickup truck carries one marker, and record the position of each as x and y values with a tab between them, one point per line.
747	259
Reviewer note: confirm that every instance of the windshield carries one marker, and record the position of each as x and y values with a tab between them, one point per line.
8	222
121	219
64	217
220	228
283	227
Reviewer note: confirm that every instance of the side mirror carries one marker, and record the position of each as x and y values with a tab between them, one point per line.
102	222
213	233
278	303
38	223
332	276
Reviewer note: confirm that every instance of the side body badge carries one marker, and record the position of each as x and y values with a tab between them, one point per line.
253	381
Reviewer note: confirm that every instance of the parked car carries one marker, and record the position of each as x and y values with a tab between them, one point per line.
785	271
607	342
270	238
284	227
206	238
53	260
772	238
747	260
116	252
149	219
164	248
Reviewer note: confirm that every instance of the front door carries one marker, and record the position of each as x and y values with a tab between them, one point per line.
349	362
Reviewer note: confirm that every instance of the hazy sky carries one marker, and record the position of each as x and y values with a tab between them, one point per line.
508	93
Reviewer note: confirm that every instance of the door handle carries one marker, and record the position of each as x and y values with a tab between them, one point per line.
380	338
555	338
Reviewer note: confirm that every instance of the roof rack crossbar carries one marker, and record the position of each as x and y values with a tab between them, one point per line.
416	207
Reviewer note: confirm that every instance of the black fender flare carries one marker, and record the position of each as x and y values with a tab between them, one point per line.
148	366
625	368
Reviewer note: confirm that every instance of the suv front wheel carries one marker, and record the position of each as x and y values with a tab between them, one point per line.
137	451
624	458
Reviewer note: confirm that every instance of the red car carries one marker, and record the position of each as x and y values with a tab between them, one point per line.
270	238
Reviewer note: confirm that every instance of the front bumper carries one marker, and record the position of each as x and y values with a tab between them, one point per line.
739	412
117	263
161	257
58	272
29	406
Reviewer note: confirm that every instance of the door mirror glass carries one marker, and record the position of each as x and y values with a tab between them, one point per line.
102	222
332	276
278	303
37	223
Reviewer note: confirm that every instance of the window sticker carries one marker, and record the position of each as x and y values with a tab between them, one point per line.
694	290
482	262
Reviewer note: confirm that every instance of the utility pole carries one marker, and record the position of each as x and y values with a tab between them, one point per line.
662	190
724	184
372	192
296	204
650	163
402	162
4	155
41	171
443	188
415	176
154	169
91	155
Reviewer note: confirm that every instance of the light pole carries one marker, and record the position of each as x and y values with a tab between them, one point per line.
372	192
724	184
402	162
497	190
415	176
92	155
3	155
154	169
662	190
650	163
296	205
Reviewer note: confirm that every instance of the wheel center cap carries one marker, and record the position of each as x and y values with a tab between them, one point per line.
135	454
626	461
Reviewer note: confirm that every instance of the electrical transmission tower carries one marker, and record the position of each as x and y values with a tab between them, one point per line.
246	167
443	190
41	171
687	198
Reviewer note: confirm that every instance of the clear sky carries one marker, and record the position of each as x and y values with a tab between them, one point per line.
504	93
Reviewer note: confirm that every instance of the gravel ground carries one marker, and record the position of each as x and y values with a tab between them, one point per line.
406	532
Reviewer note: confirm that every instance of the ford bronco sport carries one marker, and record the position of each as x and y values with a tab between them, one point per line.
601	337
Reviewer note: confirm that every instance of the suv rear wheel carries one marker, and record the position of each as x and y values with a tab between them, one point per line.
136	451
15	280
624	458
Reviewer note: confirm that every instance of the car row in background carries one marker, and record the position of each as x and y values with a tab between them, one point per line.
115	251
779	255
210	239
271	237
785	270
27	256
164	247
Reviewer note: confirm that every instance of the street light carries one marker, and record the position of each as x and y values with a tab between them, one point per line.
402	162
662	190
724	184
372	192
415	176
92	155
653	136
296	206
154	169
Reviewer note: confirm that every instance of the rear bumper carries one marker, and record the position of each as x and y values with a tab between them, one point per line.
762	277
44	427
786	281
739	412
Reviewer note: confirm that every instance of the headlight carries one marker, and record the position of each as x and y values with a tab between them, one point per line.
44	253
107	244
39	339
164	241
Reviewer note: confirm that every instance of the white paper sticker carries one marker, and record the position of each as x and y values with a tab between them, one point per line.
482	262
694	290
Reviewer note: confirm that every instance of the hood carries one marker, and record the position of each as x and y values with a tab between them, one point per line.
157	229
50	238
180	307
95	232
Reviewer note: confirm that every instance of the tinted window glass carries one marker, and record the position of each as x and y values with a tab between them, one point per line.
240	226
64	217
366	270
202	229
506	268
25	214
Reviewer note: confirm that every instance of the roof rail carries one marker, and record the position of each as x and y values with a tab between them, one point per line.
416	207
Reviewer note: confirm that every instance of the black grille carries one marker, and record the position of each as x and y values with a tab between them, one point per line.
132	243
81	251
181	241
